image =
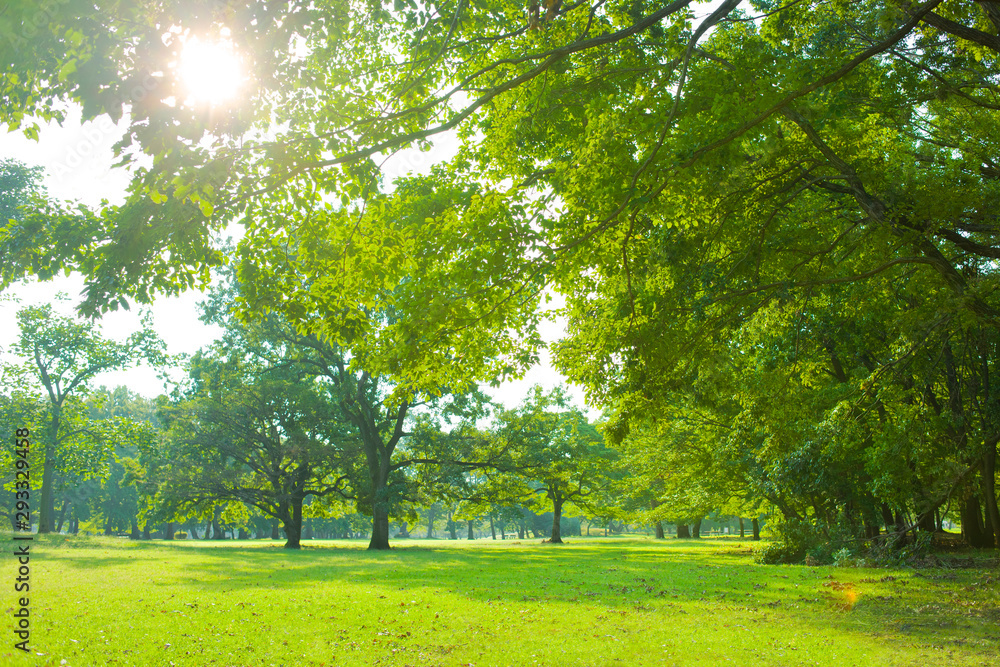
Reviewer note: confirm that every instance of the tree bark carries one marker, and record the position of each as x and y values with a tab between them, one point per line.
168	531
742	529
472	534
380	527
887	518
972	522
134	534
556	537
989	489
145	531
293	524
696	529
244	535
46	509
682	531
62	516
755	524
275	535
451	526
217	533
659	530
493	531
431	512
107	526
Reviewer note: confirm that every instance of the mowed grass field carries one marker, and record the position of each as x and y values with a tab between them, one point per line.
103	601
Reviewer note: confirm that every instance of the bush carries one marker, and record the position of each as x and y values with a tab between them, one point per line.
791	541
797	541
180	536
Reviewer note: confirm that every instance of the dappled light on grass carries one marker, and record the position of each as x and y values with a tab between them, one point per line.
441	602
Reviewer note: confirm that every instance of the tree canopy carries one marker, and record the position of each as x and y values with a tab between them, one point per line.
778	216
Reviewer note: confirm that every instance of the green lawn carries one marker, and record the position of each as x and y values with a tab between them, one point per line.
102	601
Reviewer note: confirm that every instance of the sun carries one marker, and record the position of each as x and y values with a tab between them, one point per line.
210	72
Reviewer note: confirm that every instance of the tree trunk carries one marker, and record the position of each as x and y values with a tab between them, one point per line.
107	526
46	509
451	526
293	525
134	534
472	534
380	527
62	516
168	532
742	529
244	535
887	519
431	515
75	525
493	531
275	535
682	531
696	529
989	490
900	523
556	518
755	524
145	531
925	521
217	533
972	522
658	526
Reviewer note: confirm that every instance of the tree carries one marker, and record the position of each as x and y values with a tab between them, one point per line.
128	424
65	355
792	158
366	443
561	457
255	433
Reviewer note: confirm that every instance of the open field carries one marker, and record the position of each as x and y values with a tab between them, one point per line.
102	601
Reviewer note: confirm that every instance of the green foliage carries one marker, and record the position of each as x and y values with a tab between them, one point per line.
775	233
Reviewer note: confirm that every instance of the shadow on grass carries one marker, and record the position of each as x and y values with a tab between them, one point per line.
716	575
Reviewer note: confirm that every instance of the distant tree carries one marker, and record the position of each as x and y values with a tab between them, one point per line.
559	455
250	433
65	355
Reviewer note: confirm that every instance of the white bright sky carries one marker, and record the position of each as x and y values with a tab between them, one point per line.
77	159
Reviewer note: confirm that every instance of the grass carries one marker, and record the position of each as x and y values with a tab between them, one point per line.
103	601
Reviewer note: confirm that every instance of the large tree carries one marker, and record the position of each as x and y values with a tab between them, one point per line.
796	159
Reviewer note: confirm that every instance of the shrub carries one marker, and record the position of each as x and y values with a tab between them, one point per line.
791	541
180	536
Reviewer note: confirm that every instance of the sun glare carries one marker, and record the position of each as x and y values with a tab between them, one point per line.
210	72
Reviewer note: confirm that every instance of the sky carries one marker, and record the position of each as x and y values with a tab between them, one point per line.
78	161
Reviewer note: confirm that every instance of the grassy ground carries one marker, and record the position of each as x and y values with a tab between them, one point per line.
102	601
